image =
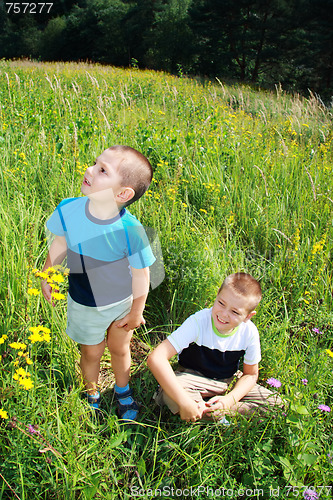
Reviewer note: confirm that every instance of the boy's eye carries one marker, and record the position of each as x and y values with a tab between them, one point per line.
235	312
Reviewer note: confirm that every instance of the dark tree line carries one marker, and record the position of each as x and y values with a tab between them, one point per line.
260	41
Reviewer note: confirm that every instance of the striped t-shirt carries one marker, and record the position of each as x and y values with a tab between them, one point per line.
100	253
202	348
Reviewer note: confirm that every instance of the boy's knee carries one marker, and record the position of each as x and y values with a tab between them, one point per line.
119	350
92	354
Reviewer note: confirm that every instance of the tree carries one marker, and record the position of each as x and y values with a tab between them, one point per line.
318	18
53	40
95	32
170	39
138	25
234	38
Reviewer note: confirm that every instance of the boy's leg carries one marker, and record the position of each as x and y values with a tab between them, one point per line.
197	387
259	398
90	365
118	342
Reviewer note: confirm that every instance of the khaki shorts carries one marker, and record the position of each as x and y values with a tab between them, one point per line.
200	388
87	325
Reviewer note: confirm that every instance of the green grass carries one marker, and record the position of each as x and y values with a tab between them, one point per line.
242	181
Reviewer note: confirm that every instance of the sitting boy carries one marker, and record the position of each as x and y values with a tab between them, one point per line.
109	255
210	344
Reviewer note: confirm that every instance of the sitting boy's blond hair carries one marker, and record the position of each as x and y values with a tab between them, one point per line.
246	286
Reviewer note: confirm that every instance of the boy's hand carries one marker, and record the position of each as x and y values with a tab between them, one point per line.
217	406
191	411
130	321
47	291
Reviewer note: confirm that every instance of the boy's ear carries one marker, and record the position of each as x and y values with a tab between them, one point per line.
250	315
125	195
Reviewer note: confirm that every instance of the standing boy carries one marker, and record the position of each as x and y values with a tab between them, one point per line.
108	255
210	344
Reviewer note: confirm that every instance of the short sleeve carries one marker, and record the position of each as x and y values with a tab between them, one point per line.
140	254
55	224
185	334
252	354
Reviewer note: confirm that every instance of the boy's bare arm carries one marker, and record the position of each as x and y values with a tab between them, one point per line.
140	289
242	387
158	362
56	254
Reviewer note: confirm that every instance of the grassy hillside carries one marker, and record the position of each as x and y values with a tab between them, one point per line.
242	182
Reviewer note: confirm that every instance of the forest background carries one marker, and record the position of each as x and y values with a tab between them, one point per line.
258	41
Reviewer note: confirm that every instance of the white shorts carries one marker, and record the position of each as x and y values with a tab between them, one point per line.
87	325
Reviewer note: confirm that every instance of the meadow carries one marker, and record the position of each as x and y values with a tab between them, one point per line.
242	182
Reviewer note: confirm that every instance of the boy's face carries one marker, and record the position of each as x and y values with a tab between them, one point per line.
229	310
103	178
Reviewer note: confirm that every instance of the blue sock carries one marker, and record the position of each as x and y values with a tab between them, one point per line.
120	391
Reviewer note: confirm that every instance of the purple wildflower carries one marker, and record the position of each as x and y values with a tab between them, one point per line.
274	382
324	408
32	429
304	381
310	494
316	330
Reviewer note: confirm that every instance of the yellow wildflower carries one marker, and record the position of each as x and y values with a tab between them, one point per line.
58	278
3	338
21	372
34	329
18	345
329	352
36	337
40	274
3	413
39	328
58	296
33	291
27	383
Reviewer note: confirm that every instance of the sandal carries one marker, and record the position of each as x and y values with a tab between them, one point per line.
125	410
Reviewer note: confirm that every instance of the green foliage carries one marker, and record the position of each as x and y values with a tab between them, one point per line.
266	43
242	181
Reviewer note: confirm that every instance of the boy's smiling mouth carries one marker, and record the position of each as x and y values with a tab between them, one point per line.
221	320
86	182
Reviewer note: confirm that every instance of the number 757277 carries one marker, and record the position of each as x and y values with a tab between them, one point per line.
28	8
